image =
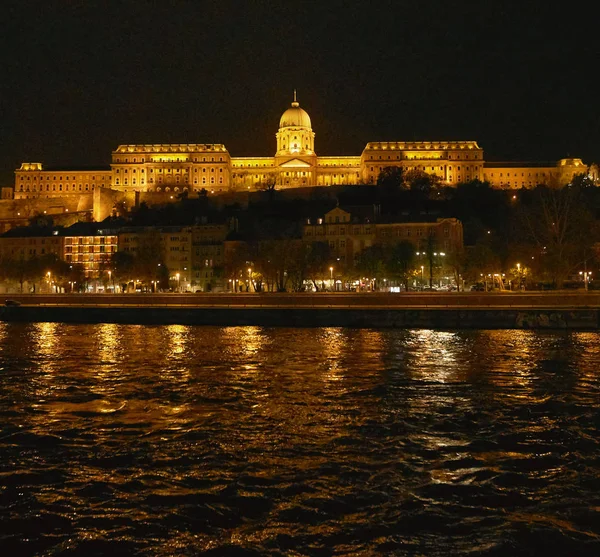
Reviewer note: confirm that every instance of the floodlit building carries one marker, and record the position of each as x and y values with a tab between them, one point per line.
515	175
29	242
349	230
33	181
91	247
178	168
192	255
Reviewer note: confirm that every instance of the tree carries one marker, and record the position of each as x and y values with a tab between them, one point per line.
318	261
298	266
76	276
481	260
561	228
390	181
456	260
399	262
237	263
370	262
582	181
420	181
148	263
122	266
268	183
16	269
273	261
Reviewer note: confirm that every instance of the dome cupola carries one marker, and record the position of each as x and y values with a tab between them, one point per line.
295	135
295	116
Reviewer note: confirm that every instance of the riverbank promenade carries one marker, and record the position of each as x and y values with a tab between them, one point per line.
552	310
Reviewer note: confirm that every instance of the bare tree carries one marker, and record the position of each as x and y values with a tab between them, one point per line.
560	226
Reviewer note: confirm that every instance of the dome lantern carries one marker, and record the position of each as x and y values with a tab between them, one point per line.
295	116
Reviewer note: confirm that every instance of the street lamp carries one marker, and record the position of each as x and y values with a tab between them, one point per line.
442	255
109	277
520	276
422	279
249	278
586	277
331	276
178	282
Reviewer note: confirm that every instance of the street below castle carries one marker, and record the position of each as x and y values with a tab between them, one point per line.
371	300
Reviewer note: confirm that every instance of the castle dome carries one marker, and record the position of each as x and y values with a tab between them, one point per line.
295	116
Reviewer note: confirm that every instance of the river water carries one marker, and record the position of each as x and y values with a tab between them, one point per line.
176	440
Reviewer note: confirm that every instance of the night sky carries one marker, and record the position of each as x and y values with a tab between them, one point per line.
79	78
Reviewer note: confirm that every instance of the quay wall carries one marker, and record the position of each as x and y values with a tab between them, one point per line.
446	311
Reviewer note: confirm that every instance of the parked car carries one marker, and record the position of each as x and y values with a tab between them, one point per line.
479	287
12	303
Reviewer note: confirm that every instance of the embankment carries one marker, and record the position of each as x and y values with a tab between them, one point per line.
566	311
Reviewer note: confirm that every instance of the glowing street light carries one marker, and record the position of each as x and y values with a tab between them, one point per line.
586	277
178	282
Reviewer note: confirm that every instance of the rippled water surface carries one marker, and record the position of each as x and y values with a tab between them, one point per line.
181	440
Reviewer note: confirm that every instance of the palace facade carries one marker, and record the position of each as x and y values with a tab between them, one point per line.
177	168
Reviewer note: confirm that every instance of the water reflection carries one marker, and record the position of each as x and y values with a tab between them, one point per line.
176	340
306	440
44	338
435	360
109	343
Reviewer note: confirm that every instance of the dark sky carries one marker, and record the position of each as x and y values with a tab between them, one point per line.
79	78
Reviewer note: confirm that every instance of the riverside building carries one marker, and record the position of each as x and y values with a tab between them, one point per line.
350	230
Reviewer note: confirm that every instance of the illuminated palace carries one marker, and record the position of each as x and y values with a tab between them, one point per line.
193	167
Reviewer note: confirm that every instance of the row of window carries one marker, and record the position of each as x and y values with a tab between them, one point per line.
91	240
337	231
411	146
403	231
433	168
74	187
195	159
91	249
339	244
161	170
542	174
417	157
66	178
34	241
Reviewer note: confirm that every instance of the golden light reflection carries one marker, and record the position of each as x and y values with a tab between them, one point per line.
333	342
517	354
587	348
108	357
176	340
176	349
109	337
436	358
45	339
3	335
245	343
